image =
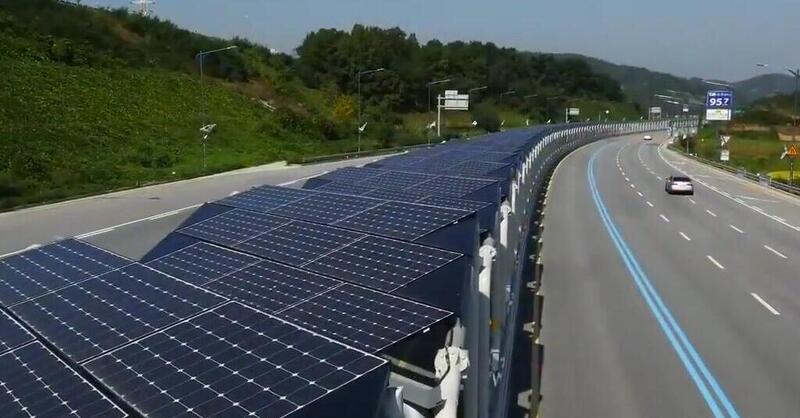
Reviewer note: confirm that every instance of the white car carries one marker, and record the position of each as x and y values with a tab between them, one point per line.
679	185
648	138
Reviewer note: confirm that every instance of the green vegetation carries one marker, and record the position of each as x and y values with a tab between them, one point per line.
94	99
756	152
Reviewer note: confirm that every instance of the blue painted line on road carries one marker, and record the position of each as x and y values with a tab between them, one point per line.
700	374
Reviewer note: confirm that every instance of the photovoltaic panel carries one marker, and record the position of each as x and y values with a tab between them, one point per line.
36	383
396	195
344	188
97	315
452	186
400	161
233	227
325	207
12	334
352	174
396	180
451	202
201	263
403	220
232	362
298	242
474	169
36	272
264	198
270	286
381	263
364	318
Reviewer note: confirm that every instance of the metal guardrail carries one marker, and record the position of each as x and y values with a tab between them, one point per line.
355	154
740	172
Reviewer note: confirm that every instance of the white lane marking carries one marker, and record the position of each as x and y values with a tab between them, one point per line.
736	229
716	263
627	179
755	199
664	218
711	213
778	218
28	248
623	173
233	193
303	178
640	194
650	204
686	237
692	200
765	304
163	215
633	186
93	233
776	252
111	228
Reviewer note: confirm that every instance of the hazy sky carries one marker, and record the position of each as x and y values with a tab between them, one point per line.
708	38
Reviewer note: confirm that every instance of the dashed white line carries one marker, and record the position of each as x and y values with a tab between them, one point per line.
664	218
98	232
633	186
640	194
711	213
765	304
627	179
163	215
692	200
233	193
736	229
686	237
650	204
776	252
716	263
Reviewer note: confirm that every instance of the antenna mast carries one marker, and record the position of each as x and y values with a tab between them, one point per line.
143	6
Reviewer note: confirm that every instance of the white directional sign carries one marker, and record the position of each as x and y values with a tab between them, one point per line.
724	139
455	101
725	155
574	111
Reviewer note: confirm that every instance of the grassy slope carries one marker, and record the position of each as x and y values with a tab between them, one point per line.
757	152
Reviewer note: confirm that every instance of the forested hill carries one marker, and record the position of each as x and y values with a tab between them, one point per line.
93	99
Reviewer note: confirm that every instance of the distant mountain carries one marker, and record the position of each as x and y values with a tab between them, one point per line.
640	84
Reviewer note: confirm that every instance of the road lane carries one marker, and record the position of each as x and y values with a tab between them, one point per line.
749	350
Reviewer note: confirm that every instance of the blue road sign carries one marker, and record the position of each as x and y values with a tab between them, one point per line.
719	105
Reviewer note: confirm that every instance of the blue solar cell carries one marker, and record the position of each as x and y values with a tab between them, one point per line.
270	286
477	169
400	161
298	242
12	334
352	174
97	315
452	186
233	227
344	188
326	207
397	180
233	362
363	318
264	198
36	383
451	202
201	263
405	221
36	272
381	263
396	195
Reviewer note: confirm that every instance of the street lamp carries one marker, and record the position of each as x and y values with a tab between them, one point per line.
473	90
433	83
200	58
796	74
358	81
508	93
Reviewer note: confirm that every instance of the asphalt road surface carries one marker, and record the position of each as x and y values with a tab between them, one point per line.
667	306
131	222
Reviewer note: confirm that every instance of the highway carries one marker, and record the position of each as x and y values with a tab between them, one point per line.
147	213
667	306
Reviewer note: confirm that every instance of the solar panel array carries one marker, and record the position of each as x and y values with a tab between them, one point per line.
278	300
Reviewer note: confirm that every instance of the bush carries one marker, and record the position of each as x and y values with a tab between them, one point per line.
487	118
11	187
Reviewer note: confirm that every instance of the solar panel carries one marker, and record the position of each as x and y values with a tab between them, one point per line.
35	383
233	227
474	168
397	195
325	207
403	220
363	318
351	174
452	186
232	362
94	316
298	242
451	202
201	263
381	263
396	180
12	334
264	198
344	188
36	272
271	286
400	161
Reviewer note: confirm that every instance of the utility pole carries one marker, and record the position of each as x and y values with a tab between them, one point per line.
204	104
358	81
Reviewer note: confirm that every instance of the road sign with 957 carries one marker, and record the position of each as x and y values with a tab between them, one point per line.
719	105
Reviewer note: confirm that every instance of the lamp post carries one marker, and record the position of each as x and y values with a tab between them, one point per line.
431	84
200	58
508	93
358	81
796	74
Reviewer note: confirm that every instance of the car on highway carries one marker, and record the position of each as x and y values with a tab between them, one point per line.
679	185
648	138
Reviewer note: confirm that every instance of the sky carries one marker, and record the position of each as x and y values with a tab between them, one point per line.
719	39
